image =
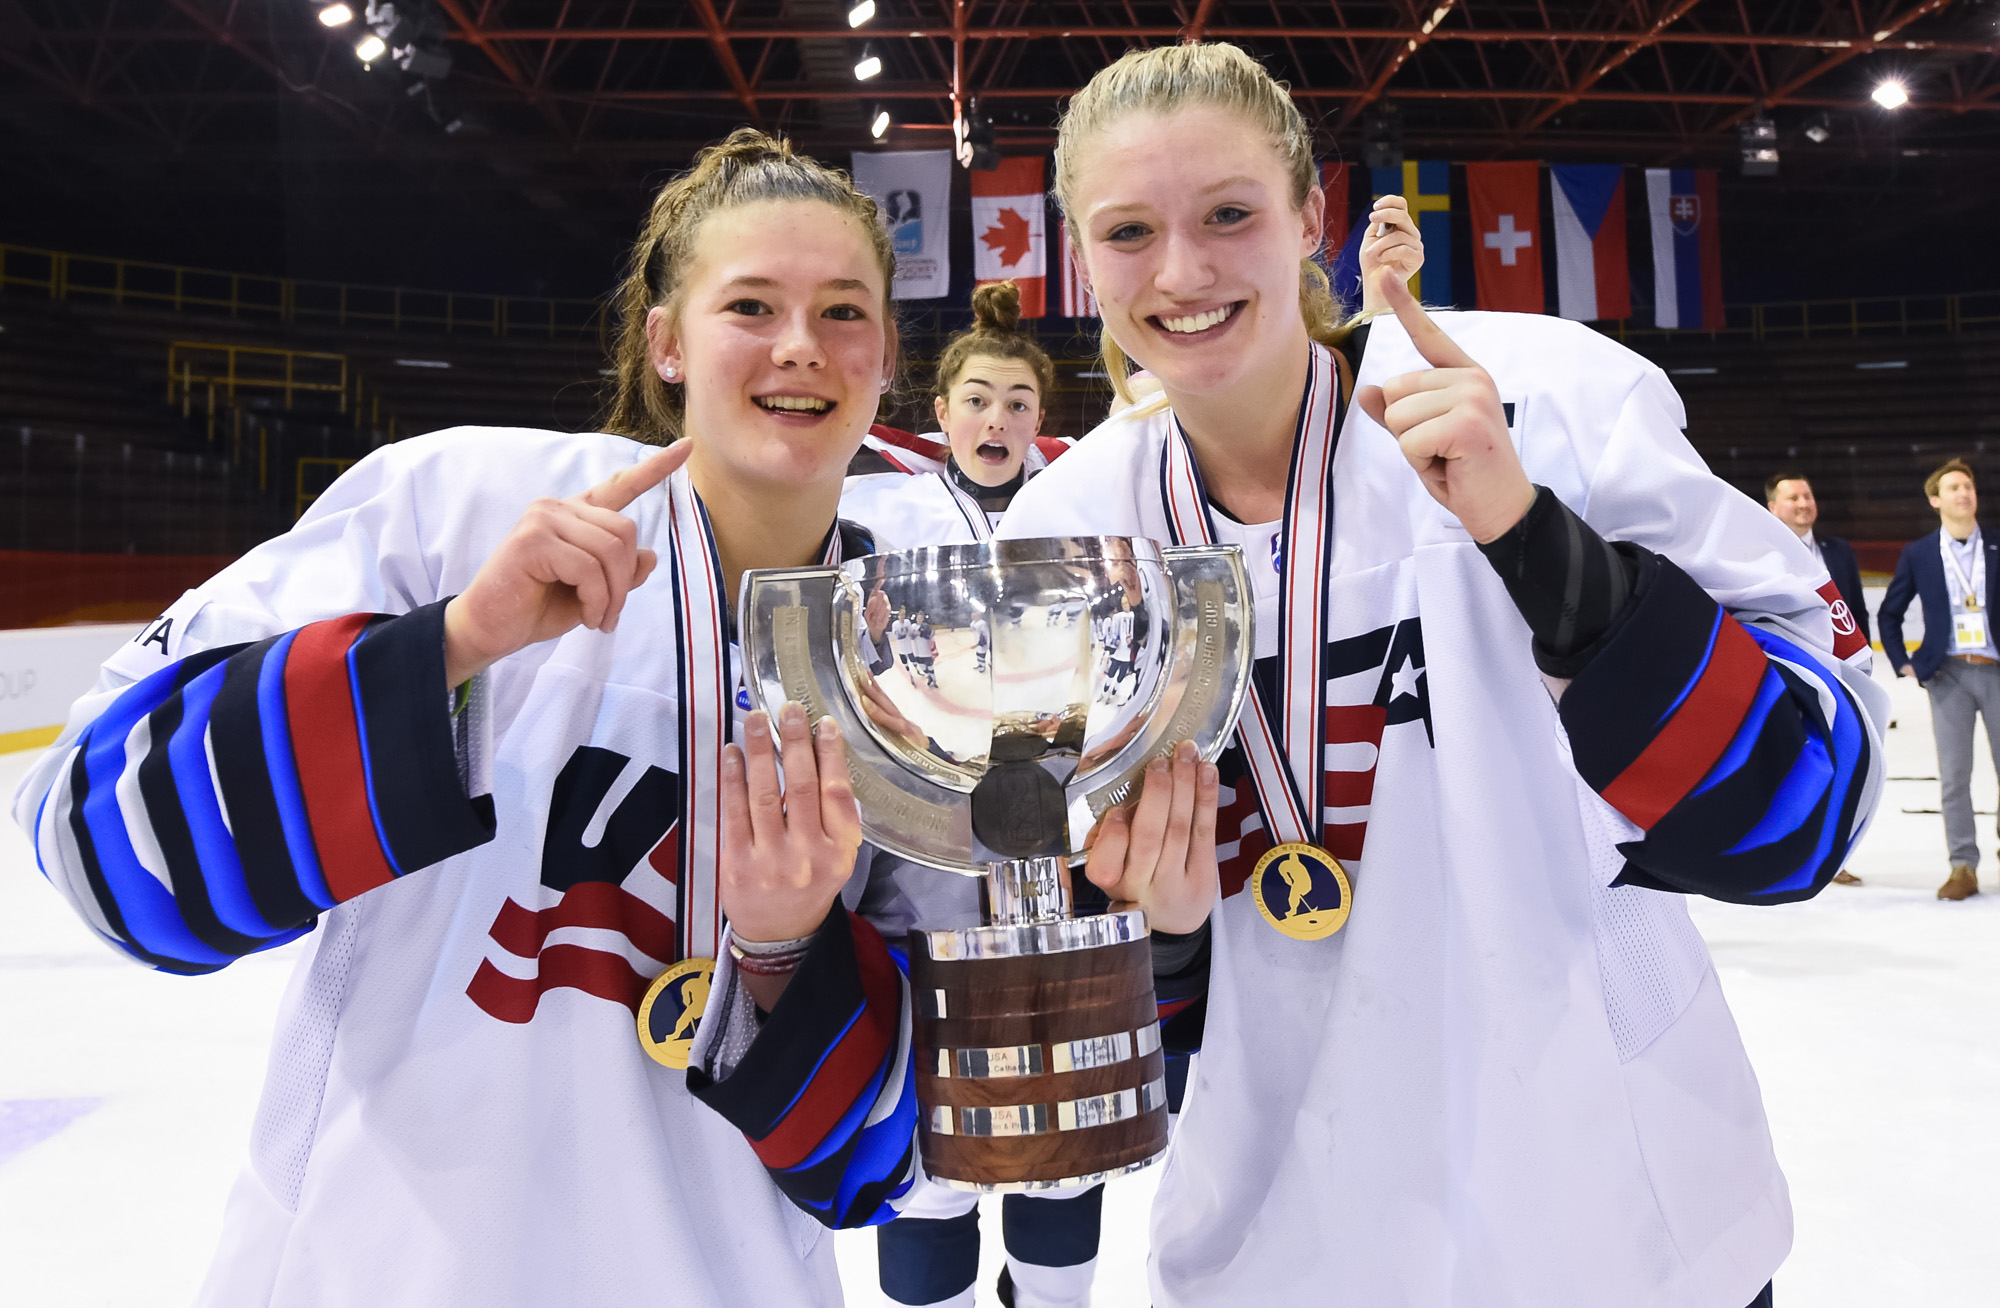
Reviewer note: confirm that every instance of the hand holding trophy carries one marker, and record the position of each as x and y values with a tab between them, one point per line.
997	701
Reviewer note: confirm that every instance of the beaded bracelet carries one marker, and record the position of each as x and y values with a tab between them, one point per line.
769	957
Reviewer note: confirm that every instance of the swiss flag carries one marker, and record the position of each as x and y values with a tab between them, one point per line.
1507	235
1007	230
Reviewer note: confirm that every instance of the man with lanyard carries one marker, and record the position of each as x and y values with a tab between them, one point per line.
1789	497
1957	661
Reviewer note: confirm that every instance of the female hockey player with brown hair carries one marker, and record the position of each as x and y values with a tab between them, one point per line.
468	724
949	486
1528	675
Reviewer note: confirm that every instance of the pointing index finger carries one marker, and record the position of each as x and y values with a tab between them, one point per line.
1438	349
628	484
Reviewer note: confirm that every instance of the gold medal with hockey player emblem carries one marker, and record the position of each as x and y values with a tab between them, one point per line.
1302	891
671	1012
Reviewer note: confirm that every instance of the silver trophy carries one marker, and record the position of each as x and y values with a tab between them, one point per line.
996	699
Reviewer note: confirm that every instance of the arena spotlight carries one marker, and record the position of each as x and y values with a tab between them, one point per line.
336	16
370	48
869	65
1818	128
878	126
861	13
1891	94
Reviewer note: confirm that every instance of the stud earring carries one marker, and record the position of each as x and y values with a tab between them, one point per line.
670	372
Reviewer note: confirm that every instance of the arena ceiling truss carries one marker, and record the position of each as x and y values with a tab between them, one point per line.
603	80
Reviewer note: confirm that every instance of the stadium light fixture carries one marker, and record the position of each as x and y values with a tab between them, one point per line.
1891	94
861	13
1819	128
336	16
878	127
370	48
869	65
1759	141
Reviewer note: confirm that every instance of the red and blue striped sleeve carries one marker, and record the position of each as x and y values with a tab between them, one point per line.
826	1092
1740	754
218	806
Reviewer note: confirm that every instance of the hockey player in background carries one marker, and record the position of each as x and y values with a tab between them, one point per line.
949	486
454	721
1527	675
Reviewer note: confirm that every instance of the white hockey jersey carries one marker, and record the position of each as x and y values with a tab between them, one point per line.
1507	1081
458	1110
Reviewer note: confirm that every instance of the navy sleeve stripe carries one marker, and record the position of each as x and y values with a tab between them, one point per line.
236	733
422	813
188	825
826	1093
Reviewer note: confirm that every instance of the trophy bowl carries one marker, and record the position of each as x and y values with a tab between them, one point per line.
996	699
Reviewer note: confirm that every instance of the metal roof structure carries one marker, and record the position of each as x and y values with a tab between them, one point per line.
551	116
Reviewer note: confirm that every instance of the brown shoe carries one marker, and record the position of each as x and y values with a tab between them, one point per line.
1962	884
1845	878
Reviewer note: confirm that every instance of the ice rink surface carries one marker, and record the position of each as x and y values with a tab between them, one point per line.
1871	1014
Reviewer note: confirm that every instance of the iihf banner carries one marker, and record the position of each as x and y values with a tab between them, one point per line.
1687	250
1008	208
1506	200
1427	186
1077	301
1593	280
913	189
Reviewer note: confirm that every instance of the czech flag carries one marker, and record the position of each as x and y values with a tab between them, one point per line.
1427	186
1593	280
1506	202
1008	242
1687	251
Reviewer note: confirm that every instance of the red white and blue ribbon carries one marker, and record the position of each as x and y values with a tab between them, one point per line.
707	690
1284	750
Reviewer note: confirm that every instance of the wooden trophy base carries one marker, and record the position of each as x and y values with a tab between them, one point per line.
1038	1053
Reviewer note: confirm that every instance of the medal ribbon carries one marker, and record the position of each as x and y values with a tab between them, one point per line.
1972	588
1286	751
975	515
702	633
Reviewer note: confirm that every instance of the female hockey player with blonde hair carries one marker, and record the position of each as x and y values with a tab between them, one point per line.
470	719
1528	674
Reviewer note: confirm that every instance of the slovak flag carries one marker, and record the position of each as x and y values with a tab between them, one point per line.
1077	301
1593	281
1507	235
1007	231
1687	250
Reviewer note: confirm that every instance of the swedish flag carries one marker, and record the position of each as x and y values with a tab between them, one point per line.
1427	186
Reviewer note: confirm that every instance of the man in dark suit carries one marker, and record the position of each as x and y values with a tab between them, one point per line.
1951	570
1790	496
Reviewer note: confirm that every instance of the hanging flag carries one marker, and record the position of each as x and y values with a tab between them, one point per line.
1333	179
1007	240
1077	301
1687	250
1506	202
1427	186
1592	279
1346	271
912	190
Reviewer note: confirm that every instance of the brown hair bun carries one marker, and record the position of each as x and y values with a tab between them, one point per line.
996	307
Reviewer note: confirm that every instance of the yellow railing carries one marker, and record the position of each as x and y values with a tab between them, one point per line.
65	276
252	367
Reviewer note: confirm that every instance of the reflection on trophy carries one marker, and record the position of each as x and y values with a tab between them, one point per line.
996	699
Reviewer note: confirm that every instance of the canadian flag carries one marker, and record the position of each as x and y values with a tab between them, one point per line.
1008	241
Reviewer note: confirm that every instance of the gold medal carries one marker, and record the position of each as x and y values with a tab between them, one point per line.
1302	891
671	1012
